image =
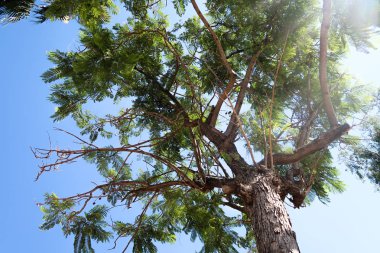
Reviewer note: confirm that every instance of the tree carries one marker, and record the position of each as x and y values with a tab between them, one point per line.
365	158
248	75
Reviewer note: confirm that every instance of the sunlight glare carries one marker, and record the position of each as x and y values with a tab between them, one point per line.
365	66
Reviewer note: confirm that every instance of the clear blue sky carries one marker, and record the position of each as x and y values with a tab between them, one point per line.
348	224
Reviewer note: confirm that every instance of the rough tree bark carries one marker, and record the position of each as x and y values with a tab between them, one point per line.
262	190
270	220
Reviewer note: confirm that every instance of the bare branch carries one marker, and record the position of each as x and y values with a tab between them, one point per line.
179	60
76	137
68	156
136	188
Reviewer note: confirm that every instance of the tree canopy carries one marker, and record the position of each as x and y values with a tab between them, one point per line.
212	98
365	156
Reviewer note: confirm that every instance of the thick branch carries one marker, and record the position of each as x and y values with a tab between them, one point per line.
226	148
219	182
221	52
233	124
318	144
323	63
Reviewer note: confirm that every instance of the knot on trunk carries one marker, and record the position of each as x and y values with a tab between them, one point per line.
228	189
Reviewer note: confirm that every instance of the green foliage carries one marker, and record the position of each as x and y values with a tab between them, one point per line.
325	176
89	13
201	216
87	227
107	162
152	228
180	5
13	11
365	159
354	20
56	212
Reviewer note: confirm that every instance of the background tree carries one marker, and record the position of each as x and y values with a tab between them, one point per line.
365	157
199	92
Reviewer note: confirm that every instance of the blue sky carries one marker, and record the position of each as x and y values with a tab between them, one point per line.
348	224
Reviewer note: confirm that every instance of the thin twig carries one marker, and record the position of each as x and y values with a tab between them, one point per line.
140	221
272	100
232	127
222	55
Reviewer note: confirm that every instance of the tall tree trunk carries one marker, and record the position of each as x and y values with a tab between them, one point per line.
270	220
324	41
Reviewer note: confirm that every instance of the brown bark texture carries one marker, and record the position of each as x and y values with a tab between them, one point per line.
324	38
270	220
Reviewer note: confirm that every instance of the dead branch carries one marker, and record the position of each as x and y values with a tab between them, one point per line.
69	156
136	188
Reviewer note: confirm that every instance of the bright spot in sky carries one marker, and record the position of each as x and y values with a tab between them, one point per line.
66	19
